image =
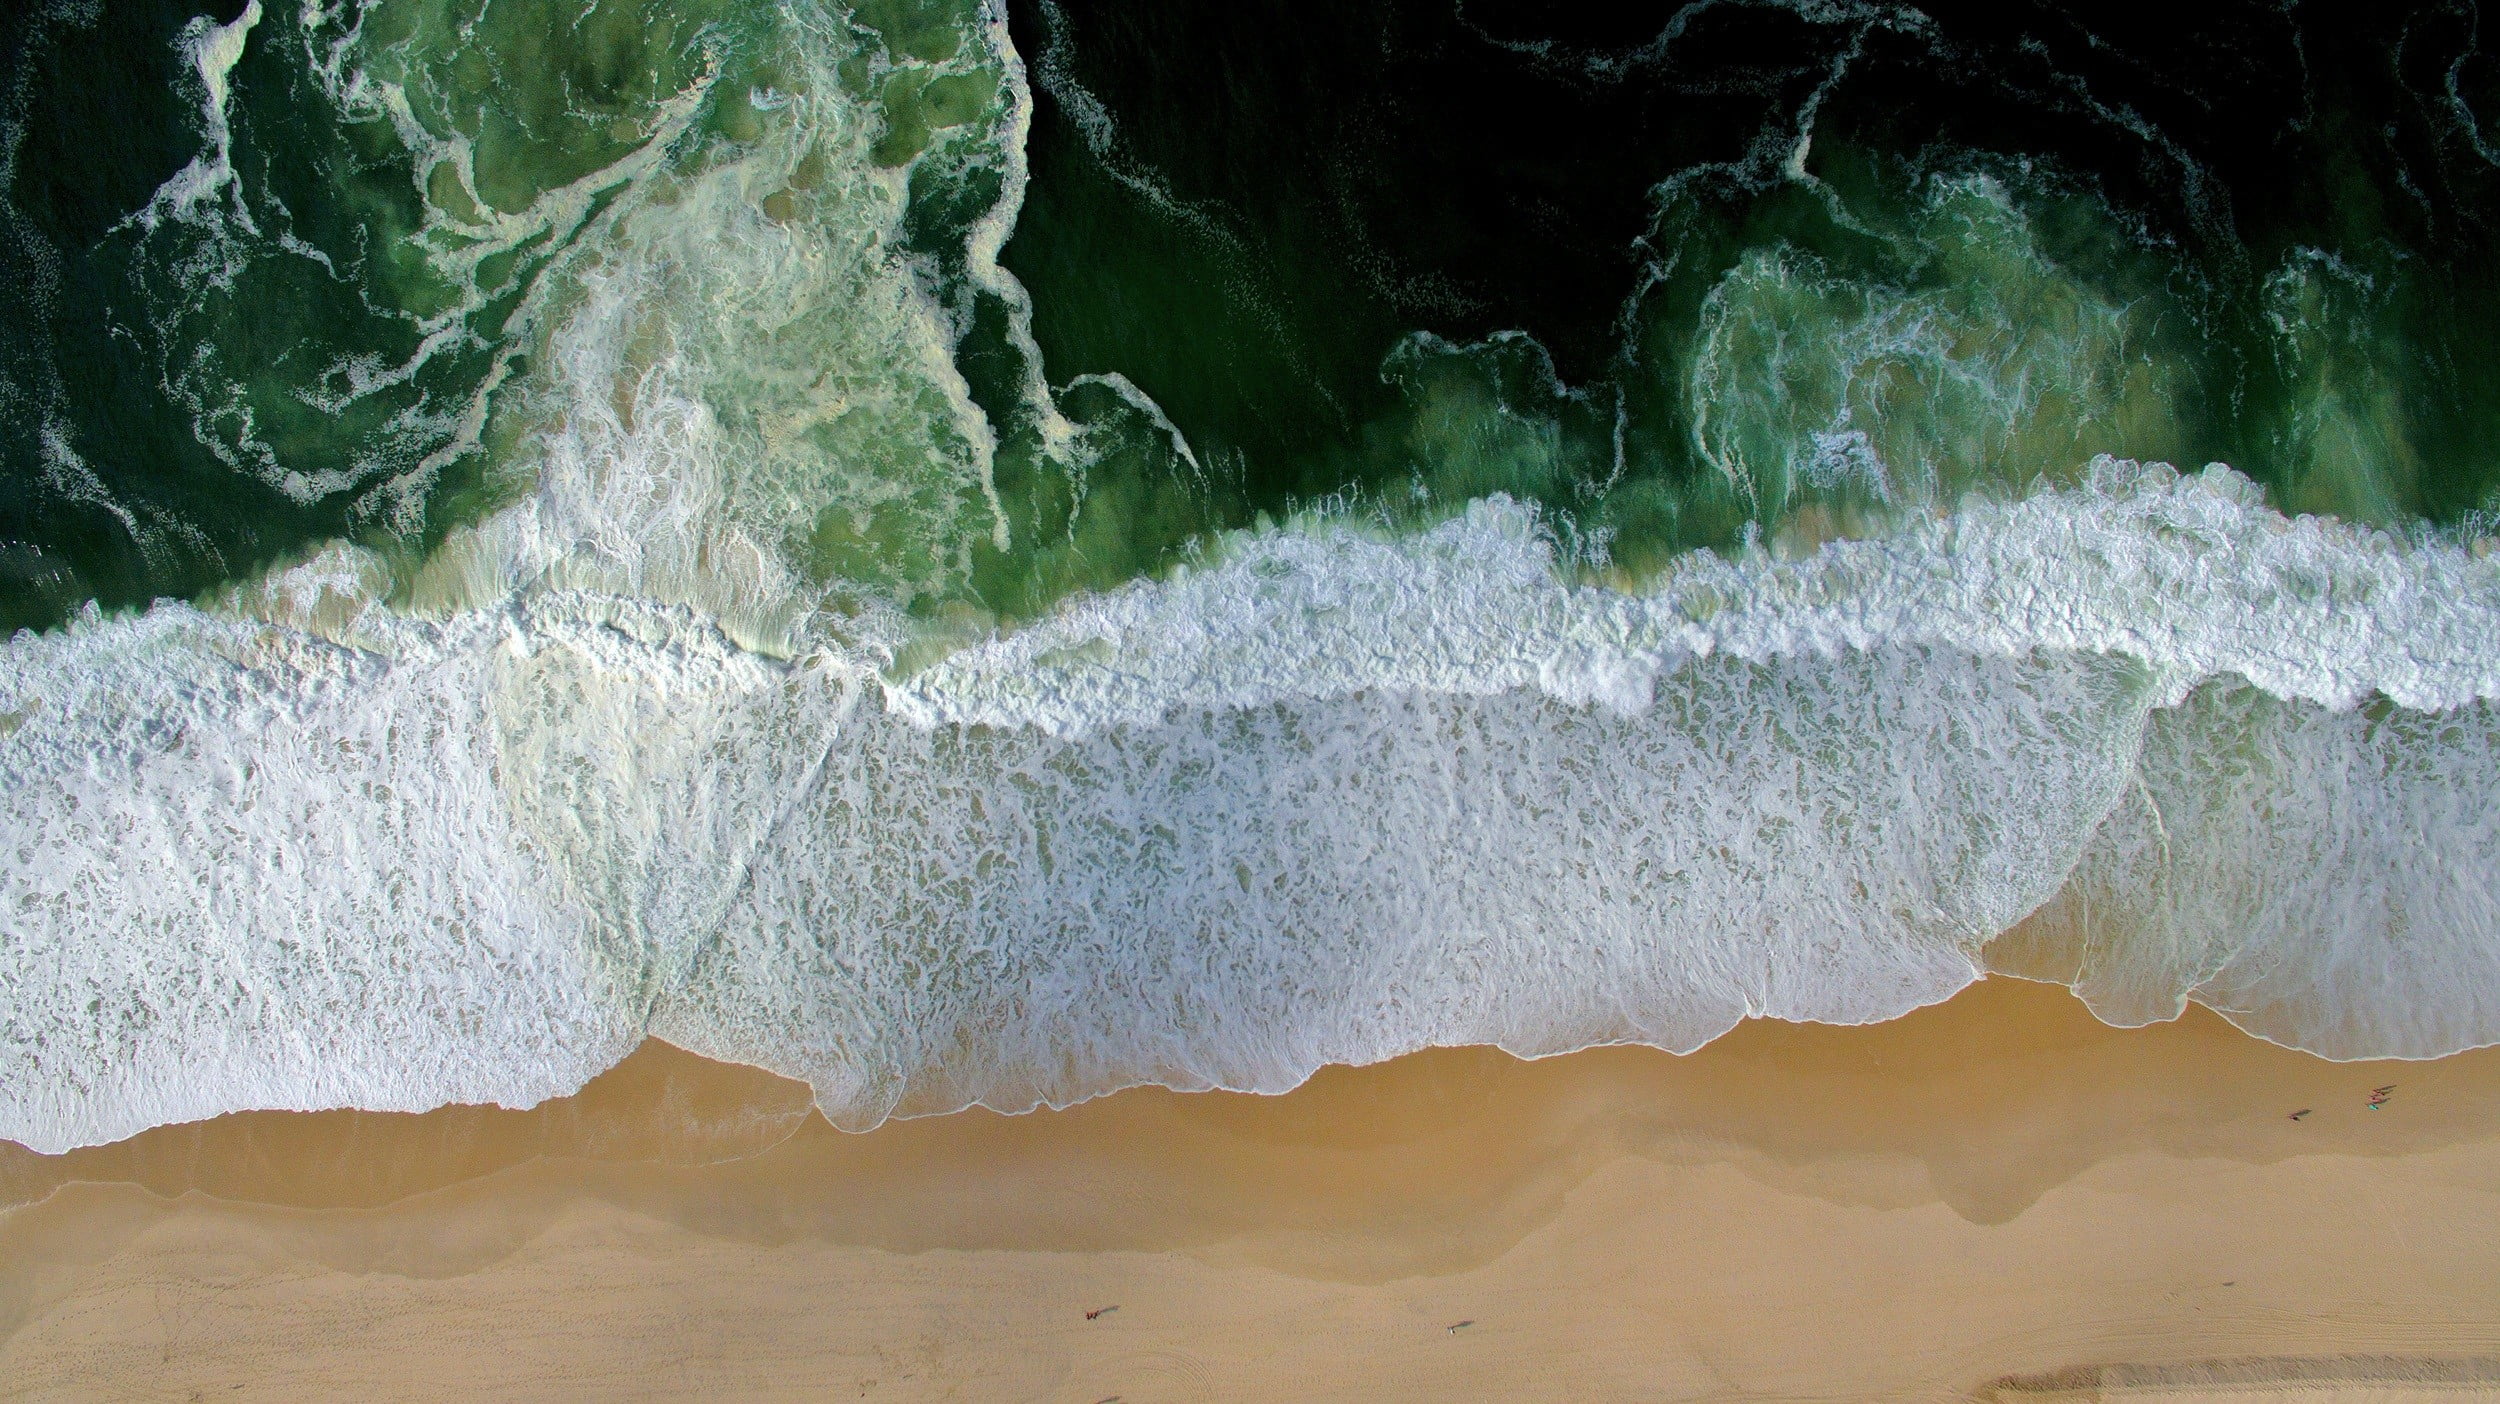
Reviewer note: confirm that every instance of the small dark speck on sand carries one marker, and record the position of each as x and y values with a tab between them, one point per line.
1458	1326
1099	1312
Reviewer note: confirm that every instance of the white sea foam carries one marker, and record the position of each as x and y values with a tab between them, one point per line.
1330	798
1235	897
247	868
212	51
2322	878
2193	576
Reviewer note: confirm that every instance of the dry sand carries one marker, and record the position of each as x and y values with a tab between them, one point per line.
1996	1197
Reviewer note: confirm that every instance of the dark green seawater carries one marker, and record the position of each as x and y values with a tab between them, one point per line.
1680	274
991	552
1777	258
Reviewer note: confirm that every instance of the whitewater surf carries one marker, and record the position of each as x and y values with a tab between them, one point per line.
905	546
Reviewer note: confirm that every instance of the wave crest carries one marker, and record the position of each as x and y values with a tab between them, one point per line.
1330	798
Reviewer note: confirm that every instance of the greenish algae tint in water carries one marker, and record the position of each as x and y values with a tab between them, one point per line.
293	280
286	275
994	551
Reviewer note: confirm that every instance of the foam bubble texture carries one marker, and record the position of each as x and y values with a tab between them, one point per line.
2191	575
2324	879
249	869
1331	798
1236	896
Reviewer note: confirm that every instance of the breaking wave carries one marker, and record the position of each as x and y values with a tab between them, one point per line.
703	717
1329	798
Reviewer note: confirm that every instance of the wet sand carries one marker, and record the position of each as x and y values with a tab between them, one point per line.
1997	1196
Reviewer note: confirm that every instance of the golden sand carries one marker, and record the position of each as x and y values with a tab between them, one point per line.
1997	1197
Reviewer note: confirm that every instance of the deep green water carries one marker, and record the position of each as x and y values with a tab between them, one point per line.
1681	277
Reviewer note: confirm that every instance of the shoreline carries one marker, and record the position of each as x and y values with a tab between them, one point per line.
2004	1187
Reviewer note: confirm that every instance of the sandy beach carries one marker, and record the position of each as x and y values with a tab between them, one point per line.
1997	1196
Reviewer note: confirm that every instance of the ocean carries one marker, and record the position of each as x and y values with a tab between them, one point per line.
990	553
